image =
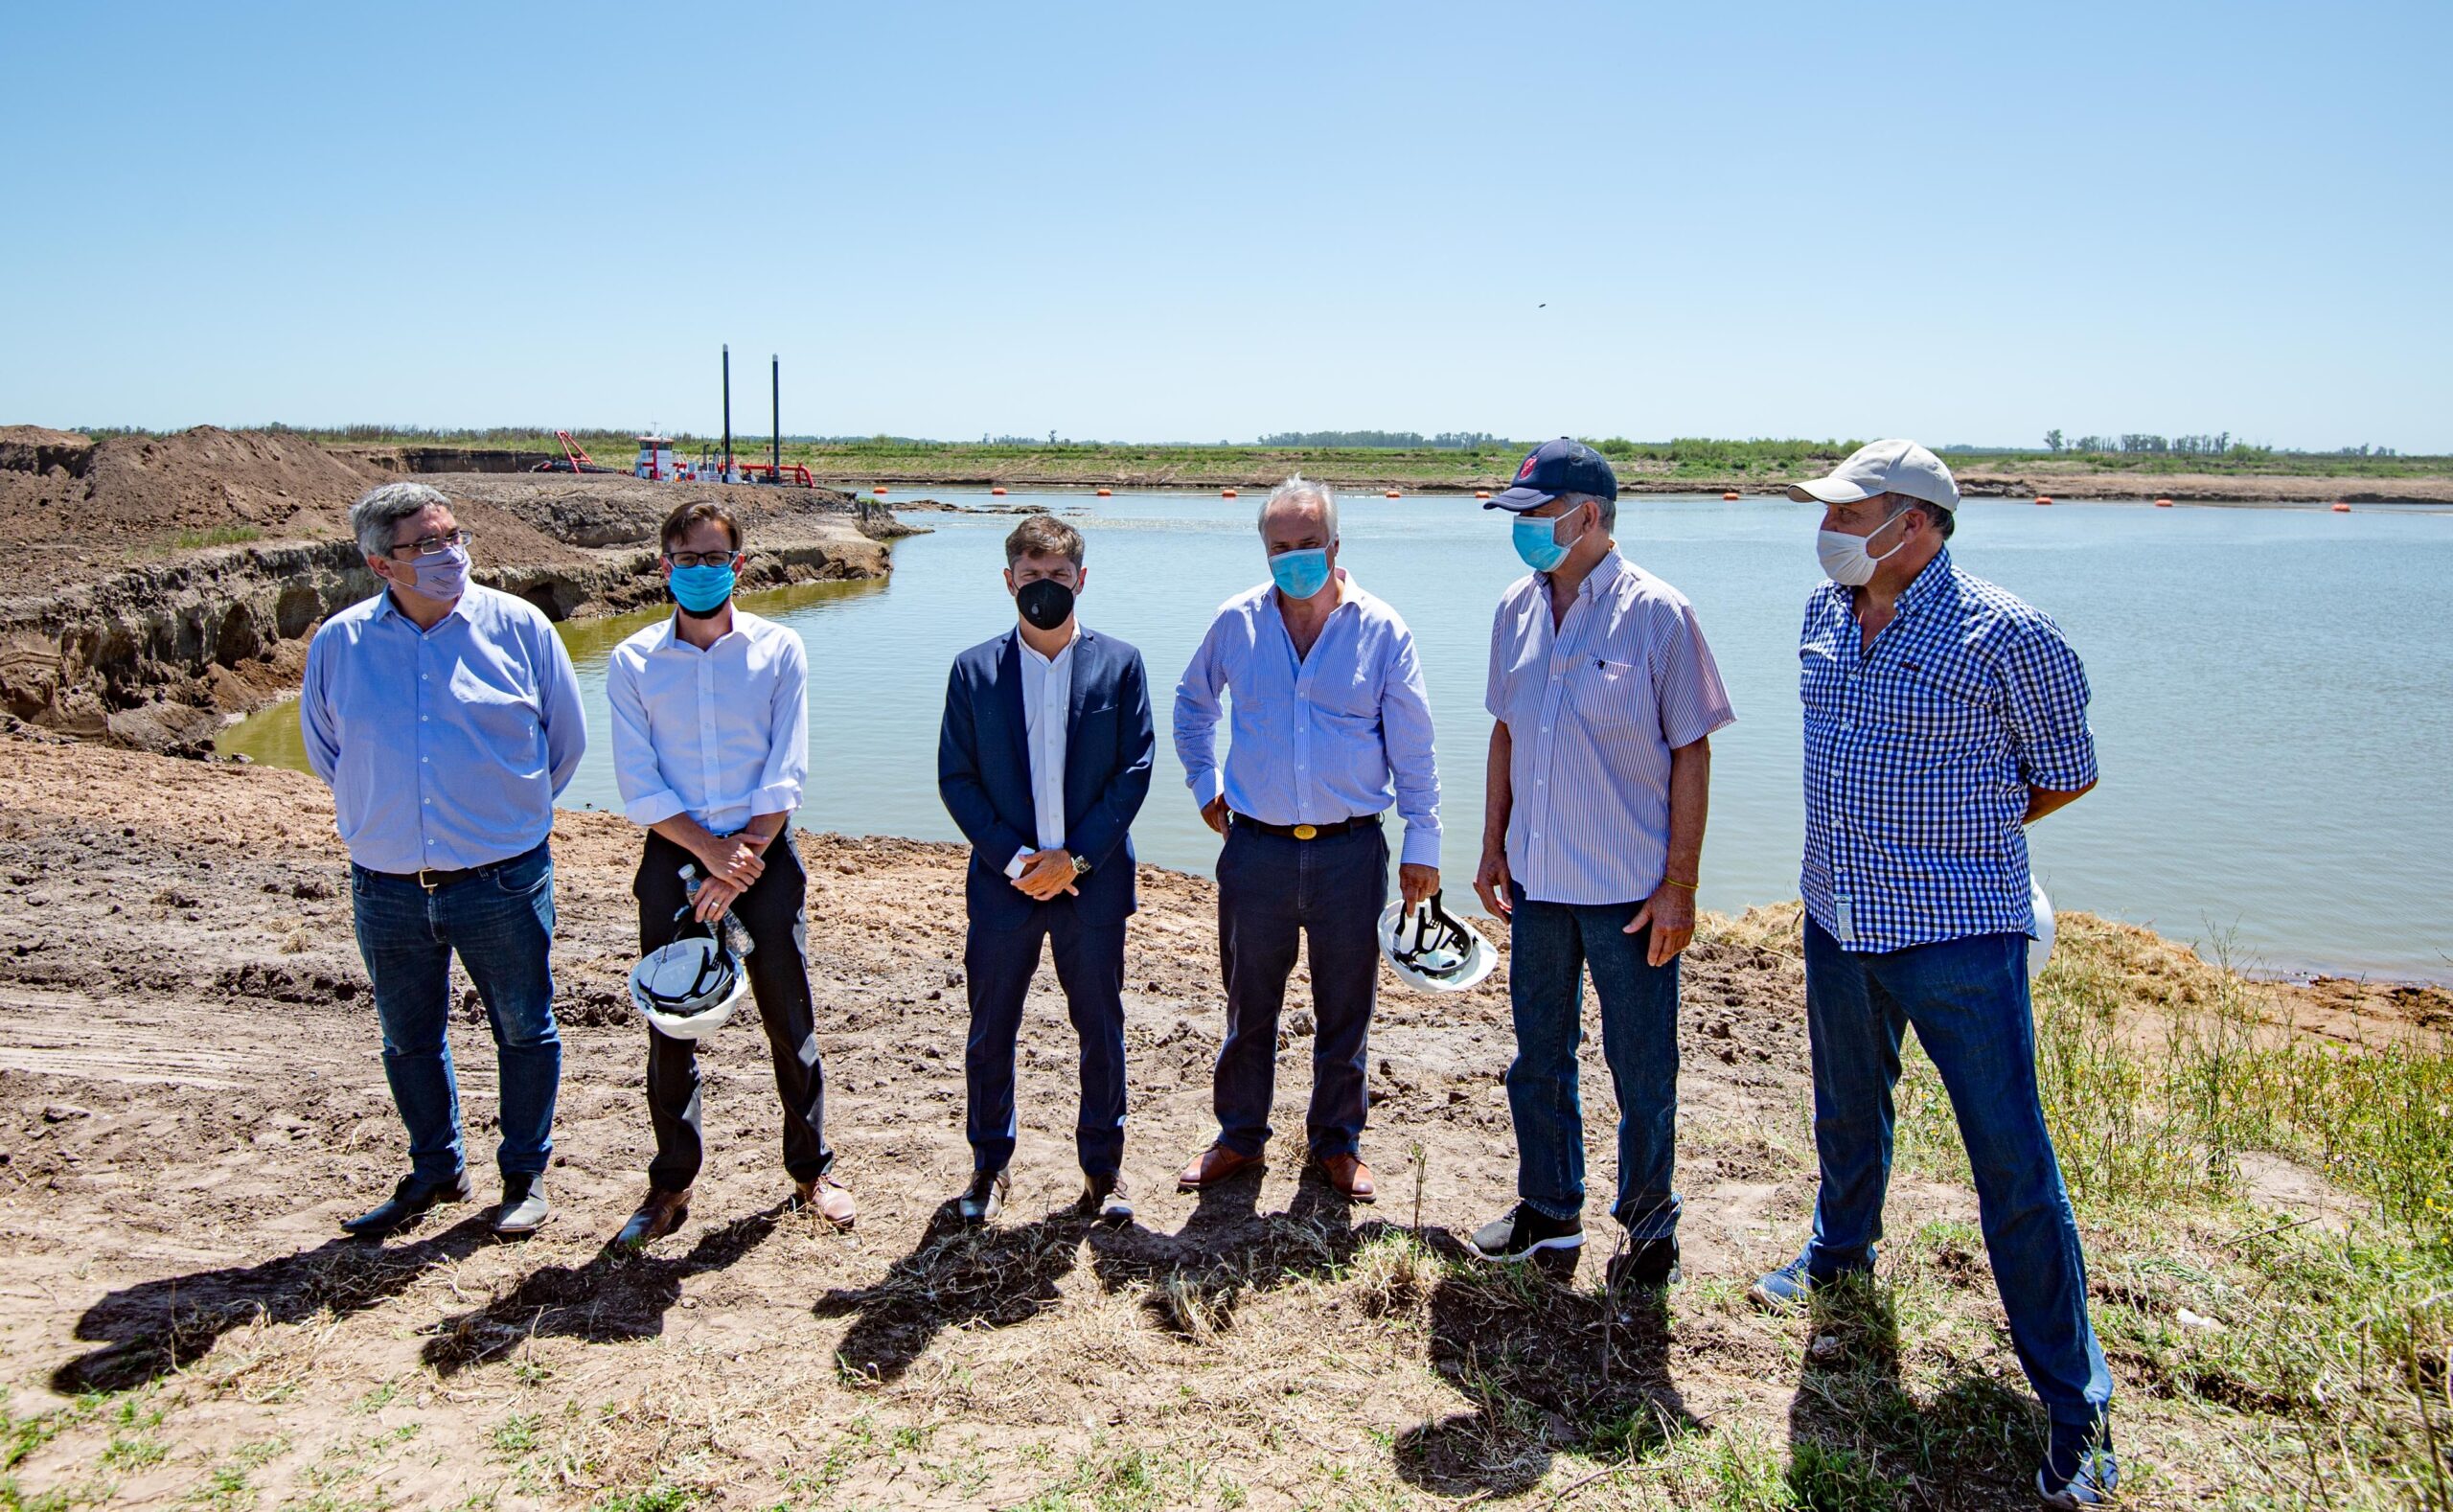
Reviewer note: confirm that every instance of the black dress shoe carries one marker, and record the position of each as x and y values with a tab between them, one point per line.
407	1202
524	1209
1104	1199
1649	1265
983	1198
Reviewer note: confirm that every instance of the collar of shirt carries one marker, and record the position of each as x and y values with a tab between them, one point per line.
1349	594
387	605
671	639
1604	573
1925	584
1062	651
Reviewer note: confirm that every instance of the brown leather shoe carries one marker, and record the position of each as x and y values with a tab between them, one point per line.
1350	1177
659	1215
830	1197
1214	1165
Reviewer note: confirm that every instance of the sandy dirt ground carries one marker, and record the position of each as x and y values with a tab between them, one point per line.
191	1097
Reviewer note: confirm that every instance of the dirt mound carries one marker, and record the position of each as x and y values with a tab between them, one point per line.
156	583
137	492
39	449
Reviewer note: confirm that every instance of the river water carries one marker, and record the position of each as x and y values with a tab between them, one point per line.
2273	691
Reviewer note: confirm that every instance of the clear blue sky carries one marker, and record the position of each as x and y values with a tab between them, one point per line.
1965	224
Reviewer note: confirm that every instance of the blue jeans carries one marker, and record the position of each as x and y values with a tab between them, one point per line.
1551	946
1274	892
1969	1000
503	925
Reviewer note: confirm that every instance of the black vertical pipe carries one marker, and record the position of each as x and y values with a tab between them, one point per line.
775	377
728	473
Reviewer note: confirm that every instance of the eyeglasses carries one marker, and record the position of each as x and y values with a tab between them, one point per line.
433	545
700	559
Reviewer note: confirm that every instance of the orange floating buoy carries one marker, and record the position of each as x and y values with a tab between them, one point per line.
996	491
1394	495
1482	494
2041	499
1225	493
1730	495
2342	509
2162	503
879	490
1106	492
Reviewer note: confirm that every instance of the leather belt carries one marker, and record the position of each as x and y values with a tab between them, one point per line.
1305	831
436	881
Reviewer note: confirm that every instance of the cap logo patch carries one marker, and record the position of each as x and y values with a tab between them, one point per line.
1526	470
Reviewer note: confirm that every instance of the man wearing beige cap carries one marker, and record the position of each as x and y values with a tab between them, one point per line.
1942	715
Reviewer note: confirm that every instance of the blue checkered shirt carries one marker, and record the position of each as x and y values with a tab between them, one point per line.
1920	752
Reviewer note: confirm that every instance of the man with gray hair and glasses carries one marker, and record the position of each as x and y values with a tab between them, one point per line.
1329	716
445	717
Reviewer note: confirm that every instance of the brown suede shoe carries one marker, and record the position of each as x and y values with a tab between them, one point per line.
1214	1165
832	1200
1350	1177
659	1215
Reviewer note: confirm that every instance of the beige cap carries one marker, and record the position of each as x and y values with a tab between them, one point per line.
1884	467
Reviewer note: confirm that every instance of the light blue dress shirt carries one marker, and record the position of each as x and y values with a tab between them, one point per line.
444	749
1319	738
721	735
1594	707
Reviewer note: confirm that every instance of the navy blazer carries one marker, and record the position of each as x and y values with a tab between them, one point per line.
984	773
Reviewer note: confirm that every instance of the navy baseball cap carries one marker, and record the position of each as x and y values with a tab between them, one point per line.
1565	466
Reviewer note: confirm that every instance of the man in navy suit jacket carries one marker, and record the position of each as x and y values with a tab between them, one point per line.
1044	760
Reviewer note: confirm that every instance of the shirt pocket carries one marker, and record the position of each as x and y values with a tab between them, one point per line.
1609	694
502	717
1937	702
1349	700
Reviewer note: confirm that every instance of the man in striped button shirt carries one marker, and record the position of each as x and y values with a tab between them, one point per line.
1600	770
1942	715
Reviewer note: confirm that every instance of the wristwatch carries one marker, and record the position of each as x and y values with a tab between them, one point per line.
1081	867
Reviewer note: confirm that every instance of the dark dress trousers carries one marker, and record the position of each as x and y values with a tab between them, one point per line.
984	776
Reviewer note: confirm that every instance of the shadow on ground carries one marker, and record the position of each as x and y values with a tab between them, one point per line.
614	1296
1005	1274
155	1327
1858	1439
1548	1367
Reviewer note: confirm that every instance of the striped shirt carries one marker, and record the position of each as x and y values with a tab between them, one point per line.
1920	752
1315	739
1592	711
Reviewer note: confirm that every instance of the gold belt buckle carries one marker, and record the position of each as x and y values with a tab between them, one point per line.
1305	832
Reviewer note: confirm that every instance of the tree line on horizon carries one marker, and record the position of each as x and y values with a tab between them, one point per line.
1685	450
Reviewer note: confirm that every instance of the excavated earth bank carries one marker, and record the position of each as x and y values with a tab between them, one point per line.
152	586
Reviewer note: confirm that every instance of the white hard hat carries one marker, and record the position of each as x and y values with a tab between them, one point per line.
2040	935
689	988
1884	467
1431	949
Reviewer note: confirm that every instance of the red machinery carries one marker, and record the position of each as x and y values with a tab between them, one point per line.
791	473
573	459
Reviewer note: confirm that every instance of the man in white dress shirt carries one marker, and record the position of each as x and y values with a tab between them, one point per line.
710	748
1044	760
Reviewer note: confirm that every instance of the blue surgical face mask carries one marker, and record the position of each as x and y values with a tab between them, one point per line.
1537	542
1300	573
702	590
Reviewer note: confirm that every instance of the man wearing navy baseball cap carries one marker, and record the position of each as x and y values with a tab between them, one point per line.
1604	696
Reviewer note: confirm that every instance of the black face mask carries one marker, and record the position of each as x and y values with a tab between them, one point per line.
1045	603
